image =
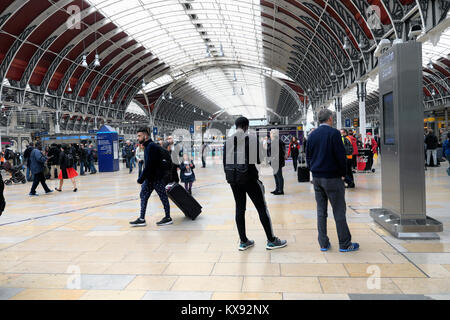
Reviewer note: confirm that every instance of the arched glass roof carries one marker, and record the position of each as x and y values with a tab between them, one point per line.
185	34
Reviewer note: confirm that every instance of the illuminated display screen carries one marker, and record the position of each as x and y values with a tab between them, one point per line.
388	119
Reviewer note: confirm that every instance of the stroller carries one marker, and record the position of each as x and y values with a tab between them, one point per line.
16	174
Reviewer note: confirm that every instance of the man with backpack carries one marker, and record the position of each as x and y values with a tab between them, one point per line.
348	146
27	160
242	175
129	151
83	159
91	155
432	143
156	164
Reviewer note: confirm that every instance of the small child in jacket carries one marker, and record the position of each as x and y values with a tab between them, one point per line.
187	173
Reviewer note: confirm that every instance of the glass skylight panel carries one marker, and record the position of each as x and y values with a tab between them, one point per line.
166	29
134	108
349	97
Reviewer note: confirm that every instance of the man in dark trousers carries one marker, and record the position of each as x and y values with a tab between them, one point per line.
325	157
27	160
204	154
152	178
432	143
129	151
241	173
348	152
37	169
277	161
83	159
172	176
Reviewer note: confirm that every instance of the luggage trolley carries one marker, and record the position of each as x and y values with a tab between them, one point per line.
363	163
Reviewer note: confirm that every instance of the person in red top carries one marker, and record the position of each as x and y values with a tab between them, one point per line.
355	147
294	148
370	143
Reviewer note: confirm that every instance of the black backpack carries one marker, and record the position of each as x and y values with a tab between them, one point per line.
69	160
348	147
27	153
236	173
166	160
9	154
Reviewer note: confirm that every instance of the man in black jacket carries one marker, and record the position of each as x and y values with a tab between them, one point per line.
432	143
325	156
241	173
53	162
27	160
129	151
277	161
83	159
152	178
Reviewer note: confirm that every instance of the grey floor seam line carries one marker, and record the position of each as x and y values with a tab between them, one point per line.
91	207
69	211
413	263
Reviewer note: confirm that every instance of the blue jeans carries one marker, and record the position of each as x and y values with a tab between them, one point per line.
81	167
75	165
130	164
29	174
92	166
133	162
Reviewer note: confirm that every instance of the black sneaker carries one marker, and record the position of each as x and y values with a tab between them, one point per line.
138	223
276	243
164	221
274	191
352	247
278	193
245	245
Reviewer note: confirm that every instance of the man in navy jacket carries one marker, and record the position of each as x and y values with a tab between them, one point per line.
325	156
151	178
37	162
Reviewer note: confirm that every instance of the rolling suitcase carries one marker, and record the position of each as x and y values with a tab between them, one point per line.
302	170
184	201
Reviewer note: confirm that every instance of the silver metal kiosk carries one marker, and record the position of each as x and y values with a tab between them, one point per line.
403	211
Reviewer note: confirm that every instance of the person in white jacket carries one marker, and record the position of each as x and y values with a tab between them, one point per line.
140	158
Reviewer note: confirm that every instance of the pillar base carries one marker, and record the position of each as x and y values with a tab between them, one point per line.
407	229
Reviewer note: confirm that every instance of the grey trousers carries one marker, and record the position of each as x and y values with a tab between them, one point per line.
332	190
279	180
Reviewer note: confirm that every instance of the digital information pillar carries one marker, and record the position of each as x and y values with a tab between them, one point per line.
403	211
108	149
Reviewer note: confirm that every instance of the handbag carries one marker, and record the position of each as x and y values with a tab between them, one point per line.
46	172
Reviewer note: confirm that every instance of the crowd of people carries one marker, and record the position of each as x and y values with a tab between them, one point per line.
43	163
329	154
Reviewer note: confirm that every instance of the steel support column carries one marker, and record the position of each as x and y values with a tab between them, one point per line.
338	106
361	92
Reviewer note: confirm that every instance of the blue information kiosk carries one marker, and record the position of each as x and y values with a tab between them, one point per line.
108	149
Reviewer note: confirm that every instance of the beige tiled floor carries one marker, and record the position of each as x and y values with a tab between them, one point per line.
80	246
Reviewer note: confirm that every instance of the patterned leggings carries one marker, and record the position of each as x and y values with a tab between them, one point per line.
146	191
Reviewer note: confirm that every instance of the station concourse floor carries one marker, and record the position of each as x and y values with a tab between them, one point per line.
80	246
